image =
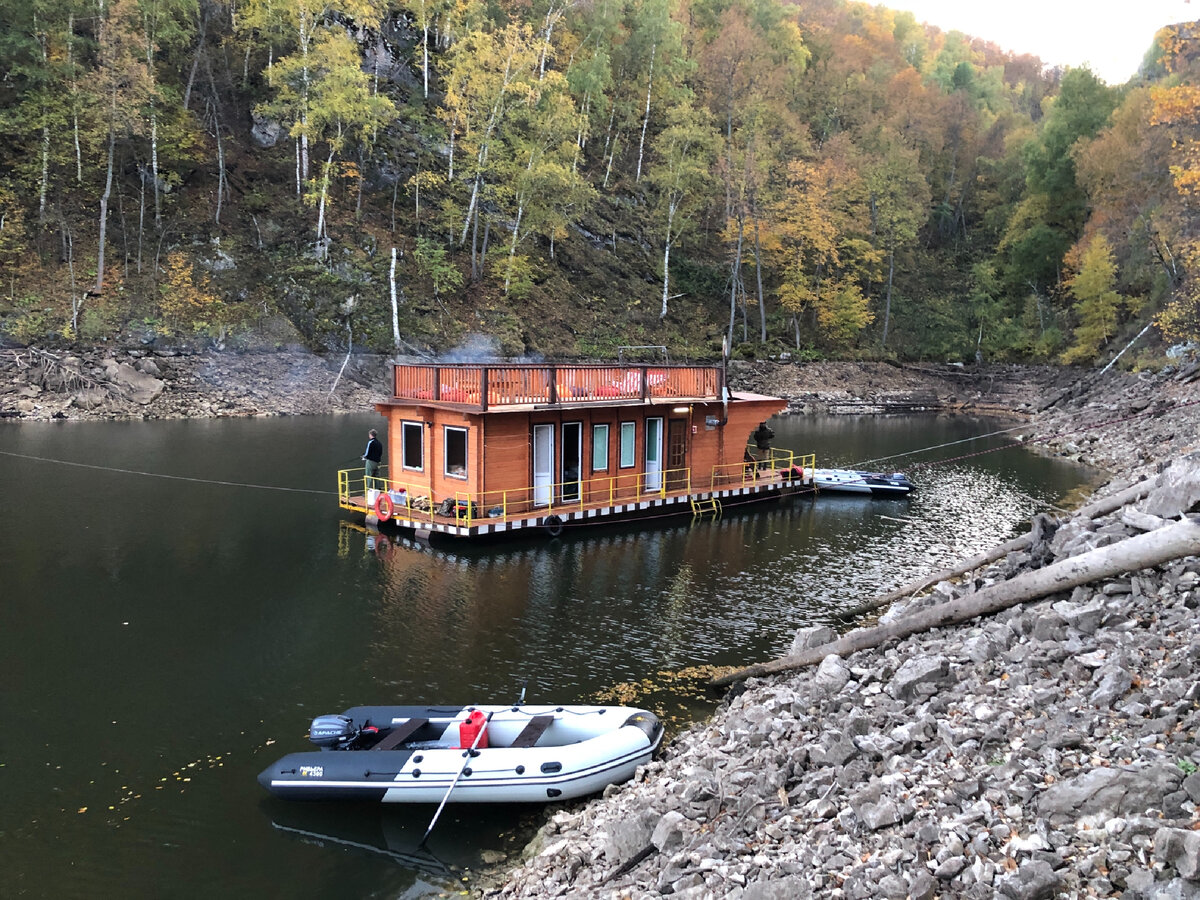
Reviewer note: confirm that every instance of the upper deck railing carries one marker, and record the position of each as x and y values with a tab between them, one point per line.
485	387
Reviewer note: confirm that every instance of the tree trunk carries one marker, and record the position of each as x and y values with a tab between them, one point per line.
646	117
762	300
112	146
733	282
1143	551
395	305
321	205
887	303
667	259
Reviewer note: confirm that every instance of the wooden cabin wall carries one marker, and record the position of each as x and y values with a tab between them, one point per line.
499	447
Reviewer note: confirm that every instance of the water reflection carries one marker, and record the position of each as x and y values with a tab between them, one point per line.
168	639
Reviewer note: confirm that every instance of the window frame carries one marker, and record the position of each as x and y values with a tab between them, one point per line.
447	431
600	444
631	428
405	443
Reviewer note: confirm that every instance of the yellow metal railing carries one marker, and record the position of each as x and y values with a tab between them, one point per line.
409	501
759	464
575	494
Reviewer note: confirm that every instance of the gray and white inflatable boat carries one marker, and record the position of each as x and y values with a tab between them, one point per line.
414	754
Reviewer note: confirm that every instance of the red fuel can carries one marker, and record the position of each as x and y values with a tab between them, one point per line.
476	722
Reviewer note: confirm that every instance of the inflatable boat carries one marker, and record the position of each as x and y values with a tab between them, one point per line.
479	754
852	481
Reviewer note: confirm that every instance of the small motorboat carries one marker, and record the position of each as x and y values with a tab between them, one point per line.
425	754
852	481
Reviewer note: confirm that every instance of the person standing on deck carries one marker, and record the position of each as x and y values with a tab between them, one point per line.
373	454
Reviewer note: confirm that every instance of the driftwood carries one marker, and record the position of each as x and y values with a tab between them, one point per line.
1024	542
1140	552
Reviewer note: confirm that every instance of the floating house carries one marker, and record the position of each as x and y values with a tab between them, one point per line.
476	450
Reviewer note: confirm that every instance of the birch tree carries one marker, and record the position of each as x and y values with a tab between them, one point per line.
681	174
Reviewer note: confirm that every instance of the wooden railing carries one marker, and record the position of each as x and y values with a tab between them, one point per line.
487	387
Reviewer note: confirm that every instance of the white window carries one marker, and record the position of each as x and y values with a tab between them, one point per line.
412	446
456	452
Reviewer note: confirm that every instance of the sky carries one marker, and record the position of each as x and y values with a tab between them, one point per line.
1111	36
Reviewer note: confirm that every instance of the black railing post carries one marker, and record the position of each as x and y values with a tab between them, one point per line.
483	389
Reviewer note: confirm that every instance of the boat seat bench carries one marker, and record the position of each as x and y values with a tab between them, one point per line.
531	732
400	734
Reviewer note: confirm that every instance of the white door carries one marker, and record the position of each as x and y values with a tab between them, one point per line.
543	464
654	454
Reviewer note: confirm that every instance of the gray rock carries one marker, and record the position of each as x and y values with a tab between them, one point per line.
1034	880
1181	849
791	887
1178	489
1114	681
950	868
810	637
914	673
626	837
265	132
832	674
143	388
1191	784
1104	793
924	886
669	832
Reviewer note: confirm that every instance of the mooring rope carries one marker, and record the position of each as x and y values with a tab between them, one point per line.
245	484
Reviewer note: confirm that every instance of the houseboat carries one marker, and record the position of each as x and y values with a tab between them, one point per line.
479	450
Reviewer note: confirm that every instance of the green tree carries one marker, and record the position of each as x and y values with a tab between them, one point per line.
1096	302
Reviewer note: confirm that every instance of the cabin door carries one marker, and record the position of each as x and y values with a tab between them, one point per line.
572	458
653	470
543	464
676	454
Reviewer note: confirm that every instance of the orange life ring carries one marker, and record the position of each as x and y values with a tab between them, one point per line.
383	507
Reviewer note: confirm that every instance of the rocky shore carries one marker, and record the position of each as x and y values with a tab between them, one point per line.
1052	749
171	384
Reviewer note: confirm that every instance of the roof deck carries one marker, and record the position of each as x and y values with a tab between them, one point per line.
513	386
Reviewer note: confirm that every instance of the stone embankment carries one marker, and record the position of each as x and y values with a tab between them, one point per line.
1052	749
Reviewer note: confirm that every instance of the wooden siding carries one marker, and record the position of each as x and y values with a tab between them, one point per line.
500	455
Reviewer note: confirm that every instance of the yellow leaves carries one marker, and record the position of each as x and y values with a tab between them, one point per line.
187	302
1178	105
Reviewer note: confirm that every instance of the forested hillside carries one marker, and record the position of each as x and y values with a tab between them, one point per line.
824	178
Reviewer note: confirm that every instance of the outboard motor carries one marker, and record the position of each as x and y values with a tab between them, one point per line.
332	732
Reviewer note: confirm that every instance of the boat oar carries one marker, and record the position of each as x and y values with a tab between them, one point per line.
466	762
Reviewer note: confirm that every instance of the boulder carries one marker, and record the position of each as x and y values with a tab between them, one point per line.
143	388
1180	849
917	672
1104	793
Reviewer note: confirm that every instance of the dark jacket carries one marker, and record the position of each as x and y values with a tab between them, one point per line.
374	450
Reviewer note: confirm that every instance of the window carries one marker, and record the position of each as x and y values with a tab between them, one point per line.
456	452
599	448
412	446
628	433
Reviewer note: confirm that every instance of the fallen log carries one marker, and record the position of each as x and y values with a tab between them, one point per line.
1142	551
1091	511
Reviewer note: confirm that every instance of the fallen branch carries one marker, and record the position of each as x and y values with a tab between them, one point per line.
1143	551
1091	511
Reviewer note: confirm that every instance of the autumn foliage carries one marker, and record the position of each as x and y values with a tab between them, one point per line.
830	177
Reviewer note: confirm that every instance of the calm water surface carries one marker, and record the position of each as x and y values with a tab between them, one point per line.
163	639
